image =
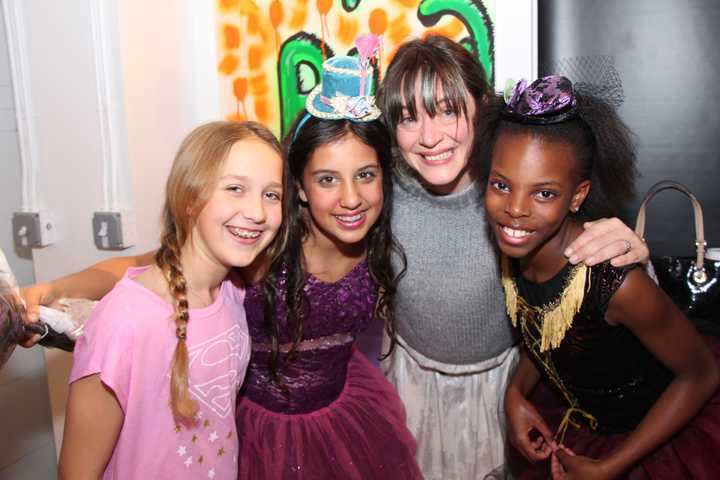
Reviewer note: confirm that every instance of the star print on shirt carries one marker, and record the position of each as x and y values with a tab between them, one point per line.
188	461
211	473
213	436
181	451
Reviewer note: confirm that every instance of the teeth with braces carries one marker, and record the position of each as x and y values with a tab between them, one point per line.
351	219
516	233
242	233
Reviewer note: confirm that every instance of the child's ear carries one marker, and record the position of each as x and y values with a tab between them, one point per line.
301	193
581	193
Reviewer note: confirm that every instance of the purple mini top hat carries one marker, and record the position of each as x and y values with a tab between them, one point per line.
545	101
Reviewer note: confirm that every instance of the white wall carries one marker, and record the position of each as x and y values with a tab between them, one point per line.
27	449
163	55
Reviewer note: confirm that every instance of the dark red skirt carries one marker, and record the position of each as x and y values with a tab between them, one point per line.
361	435
693	453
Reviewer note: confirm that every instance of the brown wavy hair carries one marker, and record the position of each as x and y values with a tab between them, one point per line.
435	61
188	189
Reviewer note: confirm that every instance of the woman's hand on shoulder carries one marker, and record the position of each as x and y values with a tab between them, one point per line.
608	239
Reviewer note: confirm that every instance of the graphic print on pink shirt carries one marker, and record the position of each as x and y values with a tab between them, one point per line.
219	393
129	341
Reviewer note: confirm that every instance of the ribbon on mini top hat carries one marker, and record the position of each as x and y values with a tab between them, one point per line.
368	47
546	100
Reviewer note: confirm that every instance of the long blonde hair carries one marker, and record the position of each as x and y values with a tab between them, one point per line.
189	186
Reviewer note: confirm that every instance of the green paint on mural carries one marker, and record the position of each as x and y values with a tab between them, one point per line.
350	5
298	72
473	14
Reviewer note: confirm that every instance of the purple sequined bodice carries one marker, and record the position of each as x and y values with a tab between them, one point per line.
316	375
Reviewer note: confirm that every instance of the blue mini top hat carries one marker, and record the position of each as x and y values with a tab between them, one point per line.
344	91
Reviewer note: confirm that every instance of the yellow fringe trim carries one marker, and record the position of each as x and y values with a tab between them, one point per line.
557	318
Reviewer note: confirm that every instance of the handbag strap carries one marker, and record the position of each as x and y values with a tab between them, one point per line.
697	211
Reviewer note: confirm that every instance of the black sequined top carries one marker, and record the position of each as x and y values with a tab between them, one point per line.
607	370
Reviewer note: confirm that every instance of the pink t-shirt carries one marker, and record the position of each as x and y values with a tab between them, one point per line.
129	340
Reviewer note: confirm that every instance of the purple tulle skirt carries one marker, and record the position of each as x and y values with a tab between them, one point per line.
693	453
361	435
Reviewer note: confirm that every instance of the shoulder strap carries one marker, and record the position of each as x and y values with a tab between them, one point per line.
699	275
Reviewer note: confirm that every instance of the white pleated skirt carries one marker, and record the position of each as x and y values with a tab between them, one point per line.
455	412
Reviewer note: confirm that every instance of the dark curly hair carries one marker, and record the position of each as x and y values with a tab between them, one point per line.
604	148
380	242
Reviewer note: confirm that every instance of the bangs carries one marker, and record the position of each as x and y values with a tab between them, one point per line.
440	86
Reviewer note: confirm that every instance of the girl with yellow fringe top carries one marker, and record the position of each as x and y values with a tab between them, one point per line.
632	381
156	373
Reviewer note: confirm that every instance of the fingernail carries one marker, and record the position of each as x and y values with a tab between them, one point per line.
573	259
590	261
568	252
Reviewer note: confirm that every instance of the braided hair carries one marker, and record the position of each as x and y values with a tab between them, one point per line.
188	189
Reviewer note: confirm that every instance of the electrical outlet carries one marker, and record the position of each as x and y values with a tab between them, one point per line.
113	230
33	229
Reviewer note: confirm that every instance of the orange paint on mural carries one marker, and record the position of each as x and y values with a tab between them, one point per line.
248	7
255	56
240	88
229	5
276	13
399	29
262	112
453	28
228	64
411	4
232	37
235	117
259	85
323	6
299	15
253	24
267	34
347	30
378	21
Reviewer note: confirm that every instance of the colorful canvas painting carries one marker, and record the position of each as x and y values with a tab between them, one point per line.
271	51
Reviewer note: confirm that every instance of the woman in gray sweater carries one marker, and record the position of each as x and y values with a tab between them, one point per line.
456	347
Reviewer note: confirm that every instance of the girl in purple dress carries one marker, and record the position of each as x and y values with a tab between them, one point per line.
313	406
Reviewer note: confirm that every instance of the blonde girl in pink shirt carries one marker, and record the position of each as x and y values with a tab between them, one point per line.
156	374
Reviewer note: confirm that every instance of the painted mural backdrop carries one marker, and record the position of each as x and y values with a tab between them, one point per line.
271	51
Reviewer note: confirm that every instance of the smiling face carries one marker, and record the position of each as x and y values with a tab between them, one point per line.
244	210
532	187
342	185
438	147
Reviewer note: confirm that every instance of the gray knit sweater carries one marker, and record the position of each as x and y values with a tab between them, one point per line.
450	305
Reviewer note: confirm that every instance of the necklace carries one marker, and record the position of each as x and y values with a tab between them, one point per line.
557	317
